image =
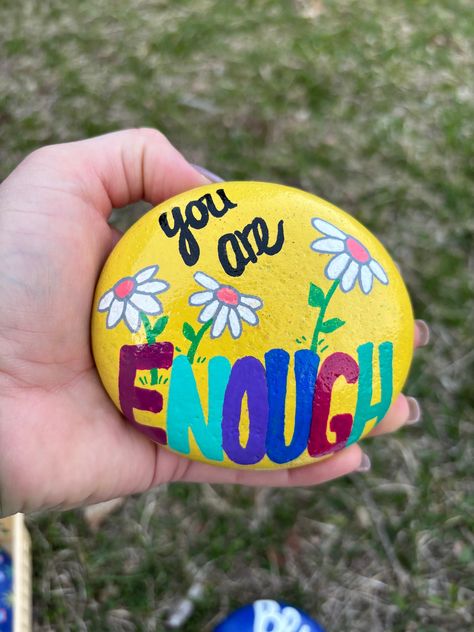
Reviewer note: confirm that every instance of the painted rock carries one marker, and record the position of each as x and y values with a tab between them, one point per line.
6	592
251	325
265	615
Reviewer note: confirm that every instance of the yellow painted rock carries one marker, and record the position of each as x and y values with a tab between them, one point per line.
251	325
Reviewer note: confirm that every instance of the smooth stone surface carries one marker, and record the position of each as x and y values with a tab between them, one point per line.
267	615
251	325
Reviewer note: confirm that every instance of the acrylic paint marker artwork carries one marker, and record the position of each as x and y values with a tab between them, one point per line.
251	325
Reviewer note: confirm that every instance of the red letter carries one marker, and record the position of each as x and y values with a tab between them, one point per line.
333	367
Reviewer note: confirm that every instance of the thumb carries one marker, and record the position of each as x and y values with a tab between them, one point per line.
115	169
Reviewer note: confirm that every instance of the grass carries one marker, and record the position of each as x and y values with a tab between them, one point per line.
369	105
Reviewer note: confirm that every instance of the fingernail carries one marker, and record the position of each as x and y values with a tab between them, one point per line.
414	411
364	464
423	332
208	174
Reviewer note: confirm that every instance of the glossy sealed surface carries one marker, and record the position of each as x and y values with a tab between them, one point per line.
251	325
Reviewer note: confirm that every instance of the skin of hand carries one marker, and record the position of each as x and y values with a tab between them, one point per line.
62	441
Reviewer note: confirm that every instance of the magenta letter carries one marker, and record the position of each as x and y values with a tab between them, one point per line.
141	357
333	367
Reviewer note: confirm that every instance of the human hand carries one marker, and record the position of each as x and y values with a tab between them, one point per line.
62	441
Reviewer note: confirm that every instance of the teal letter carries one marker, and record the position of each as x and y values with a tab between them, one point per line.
185	411
365	410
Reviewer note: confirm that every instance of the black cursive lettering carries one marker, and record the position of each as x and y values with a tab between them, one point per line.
196	216
236	251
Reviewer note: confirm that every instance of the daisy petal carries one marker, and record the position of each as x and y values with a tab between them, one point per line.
251	301
220	322
209	311
115	313
234	324
146	303
206	281
365	279
106	301
336	266
378	271
327	228
350	276
145	274
328	244
132	318
199	298
246	314
152	287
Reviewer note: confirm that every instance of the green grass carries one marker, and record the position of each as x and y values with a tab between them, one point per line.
370	105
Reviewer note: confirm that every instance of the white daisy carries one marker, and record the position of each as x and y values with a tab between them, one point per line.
351	259
132	295
225	305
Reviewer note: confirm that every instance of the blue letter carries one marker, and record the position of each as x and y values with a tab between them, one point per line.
306	367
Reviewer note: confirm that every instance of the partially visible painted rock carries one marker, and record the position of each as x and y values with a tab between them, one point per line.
251	325
6	592
267	615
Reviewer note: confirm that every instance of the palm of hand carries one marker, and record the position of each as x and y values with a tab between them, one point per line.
56	420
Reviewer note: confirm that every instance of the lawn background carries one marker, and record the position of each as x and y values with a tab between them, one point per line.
370	105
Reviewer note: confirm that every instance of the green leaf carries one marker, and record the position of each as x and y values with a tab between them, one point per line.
316	296
332	324
188	331
160	325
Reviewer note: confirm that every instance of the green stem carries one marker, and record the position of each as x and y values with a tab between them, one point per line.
197	339
322	314
150	338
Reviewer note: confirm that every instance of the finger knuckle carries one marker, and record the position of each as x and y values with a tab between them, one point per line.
151	134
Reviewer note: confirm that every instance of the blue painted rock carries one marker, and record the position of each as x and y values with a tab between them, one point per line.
6	588
266	615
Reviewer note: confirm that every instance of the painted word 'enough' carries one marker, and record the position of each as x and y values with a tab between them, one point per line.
265	387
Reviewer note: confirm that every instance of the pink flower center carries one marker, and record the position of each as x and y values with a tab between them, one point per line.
227	295
357	250
124	288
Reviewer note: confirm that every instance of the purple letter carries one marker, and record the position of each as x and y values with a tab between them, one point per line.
142	357
248	375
